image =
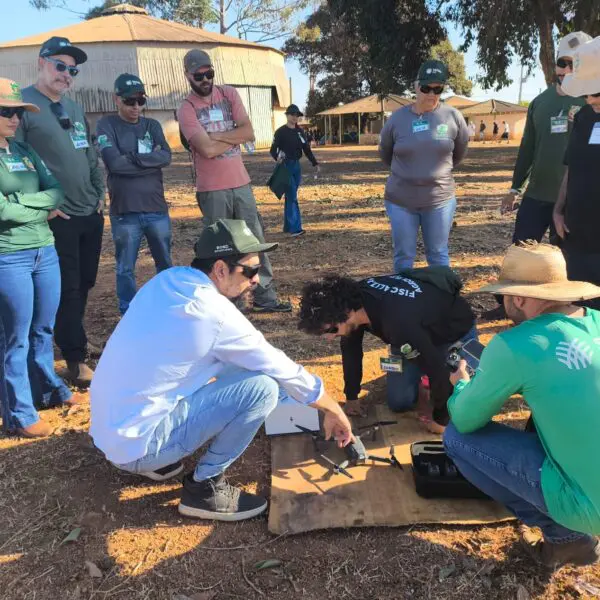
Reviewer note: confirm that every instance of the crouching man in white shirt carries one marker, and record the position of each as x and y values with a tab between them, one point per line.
184	366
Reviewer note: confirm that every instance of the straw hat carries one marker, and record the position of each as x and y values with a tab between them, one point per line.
539	271
585	79
10	95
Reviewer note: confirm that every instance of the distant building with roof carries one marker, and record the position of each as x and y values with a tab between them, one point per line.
126	39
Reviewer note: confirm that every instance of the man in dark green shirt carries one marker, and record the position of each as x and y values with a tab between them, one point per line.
60	134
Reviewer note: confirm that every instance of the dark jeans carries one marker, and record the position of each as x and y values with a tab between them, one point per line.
582	266
78	243
534	218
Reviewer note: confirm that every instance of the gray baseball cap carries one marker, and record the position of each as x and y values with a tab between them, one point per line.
195	59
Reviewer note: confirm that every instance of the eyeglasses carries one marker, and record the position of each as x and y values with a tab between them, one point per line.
210	74
8	112
564	63
591	95
58	110
139	100
332	329
427	89
61	67
247	271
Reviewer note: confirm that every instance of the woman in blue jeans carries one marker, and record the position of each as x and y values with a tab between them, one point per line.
422	143
29	277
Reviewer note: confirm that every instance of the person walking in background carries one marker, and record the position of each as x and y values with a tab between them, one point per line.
288	145
423	143
472	131
60	134
29	277
482	128
495	130
135	151
214	122
506	132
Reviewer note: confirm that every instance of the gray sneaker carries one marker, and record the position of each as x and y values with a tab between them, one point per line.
581	552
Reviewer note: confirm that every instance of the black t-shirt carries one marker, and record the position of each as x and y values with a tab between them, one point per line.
582	214
495	128
292	142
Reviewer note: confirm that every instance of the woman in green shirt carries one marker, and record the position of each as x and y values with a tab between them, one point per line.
29	277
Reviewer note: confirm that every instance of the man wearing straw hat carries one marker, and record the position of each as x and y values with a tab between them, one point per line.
550	478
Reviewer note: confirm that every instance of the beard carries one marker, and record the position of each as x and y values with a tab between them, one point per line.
245	300
202	89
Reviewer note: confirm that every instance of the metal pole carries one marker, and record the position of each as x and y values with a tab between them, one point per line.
359	129
340	131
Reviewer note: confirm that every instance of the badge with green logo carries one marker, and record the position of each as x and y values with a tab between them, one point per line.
145	145
79	136
441	132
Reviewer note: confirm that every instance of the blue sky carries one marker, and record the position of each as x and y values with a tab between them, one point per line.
24	21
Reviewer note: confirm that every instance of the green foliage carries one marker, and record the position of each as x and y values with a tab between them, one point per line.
455	61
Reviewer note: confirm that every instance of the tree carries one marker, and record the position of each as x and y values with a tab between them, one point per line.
455	61
505	30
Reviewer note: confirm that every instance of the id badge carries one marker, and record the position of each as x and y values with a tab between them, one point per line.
595	135
14	164
420	125
215	114
79	141
144	146
391	364
559	124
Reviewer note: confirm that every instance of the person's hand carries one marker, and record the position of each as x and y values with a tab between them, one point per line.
559	224
336	425
508	203
57	213
460	374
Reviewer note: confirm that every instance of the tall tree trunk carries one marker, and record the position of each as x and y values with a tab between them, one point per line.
545	24
222	16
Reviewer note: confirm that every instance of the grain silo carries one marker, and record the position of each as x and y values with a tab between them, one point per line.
126	39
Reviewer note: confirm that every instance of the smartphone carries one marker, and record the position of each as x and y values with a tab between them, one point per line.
470	351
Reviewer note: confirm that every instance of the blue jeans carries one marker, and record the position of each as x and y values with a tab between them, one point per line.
403	388
292	221
29	297
228	412
506	464
127	232
435	223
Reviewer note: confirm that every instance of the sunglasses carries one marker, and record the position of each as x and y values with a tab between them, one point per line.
564	63
249	272
427	89
332	329
591	95
61	67
140	101
58	110
8	112
210	75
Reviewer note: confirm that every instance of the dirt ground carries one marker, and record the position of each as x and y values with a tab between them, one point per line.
73	527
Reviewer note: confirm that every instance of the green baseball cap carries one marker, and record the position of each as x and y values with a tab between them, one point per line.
433	71
227	237
127	85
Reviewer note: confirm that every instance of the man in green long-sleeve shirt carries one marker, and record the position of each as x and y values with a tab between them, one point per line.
549	478
60	134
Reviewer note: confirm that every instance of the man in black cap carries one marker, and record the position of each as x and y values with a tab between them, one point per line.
135	151
201	372
214	122
288	145
60	134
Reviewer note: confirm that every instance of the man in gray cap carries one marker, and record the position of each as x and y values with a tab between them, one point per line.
214	123
201	373
60	134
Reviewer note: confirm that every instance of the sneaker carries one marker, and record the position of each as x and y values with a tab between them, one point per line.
79	373
298	233
280	307
581	552
40	429
164	473
215	499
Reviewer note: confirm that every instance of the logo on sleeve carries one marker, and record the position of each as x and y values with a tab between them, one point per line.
103	142
575	355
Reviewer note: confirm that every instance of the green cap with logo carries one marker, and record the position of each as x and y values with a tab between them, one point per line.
127	85
433	71
228	237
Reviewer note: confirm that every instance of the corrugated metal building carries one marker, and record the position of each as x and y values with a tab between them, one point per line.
126	39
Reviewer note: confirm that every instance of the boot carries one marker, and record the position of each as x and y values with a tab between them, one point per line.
39	429
80	373
585	551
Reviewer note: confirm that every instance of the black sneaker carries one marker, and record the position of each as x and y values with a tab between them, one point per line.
165	473
280	307
298	233
217	500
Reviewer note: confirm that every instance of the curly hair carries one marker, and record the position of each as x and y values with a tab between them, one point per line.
327	302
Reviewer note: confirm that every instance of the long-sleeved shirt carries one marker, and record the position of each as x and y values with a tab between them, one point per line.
554	362
28	191
177	334
422	151
292	142
542	150
419	307
69	154
134	155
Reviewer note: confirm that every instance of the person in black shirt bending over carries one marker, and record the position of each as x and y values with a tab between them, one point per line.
418	311
577	210
288	144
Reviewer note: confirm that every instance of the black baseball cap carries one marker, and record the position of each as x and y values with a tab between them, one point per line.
196	59
127	85
61	45
228	237
433	71
292	109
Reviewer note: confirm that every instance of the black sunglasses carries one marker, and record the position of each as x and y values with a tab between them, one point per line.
427	89
249	272
58	110
8	112
591	95
61	67
139	100
564	63
332	329
210	74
